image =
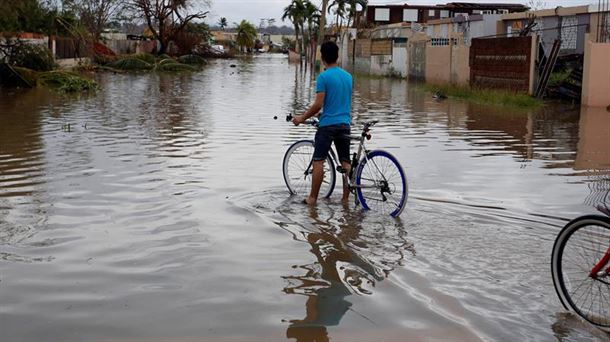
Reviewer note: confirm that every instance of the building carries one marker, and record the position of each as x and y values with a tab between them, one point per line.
569	24
392	14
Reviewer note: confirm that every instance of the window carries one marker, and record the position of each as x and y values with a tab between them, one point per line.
409	15
444	14
431	13
382	14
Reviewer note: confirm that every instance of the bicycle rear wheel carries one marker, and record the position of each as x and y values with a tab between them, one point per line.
579	247
381	183
297	168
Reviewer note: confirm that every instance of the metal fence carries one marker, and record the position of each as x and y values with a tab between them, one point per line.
501	63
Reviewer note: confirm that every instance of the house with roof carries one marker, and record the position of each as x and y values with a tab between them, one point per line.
391	14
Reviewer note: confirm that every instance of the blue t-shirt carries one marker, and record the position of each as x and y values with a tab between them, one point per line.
336	84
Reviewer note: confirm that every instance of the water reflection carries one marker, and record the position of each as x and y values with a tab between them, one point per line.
128	216
353	251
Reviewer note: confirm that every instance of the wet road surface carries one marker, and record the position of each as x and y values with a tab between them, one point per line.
155	210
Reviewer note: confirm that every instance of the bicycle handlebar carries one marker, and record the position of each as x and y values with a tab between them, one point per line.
315	122
312	122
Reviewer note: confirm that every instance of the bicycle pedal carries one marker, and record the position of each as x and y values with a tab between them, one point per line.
340	169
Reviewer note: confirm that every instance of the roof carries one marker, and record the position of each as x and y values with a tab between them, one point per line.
481	6
558	11
460	5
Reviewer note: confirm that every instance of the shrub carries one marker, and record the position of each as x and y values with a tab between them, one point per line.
131	64
146	57
163	56
67	82
35	57
167	61
192	60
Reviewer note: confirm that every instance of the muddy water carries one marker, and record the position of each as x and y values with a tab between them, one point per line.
155	210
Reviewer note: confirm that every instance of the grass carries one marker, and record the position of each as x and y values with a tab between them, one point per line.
67	82
495	97
558	77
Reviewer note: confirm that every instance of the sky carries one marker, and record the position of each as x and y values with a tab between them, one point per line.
255	10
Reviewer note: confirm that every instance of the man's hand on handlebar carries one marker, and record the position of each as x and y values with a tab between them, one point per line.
297	120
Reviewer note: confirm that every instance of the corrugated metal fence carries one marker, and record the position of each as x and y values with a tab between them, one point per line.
501	63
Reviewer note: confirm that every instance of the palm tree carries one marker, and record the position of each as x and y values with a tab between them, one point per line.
353	9
339	11
246	35
295	12
223	23
312	16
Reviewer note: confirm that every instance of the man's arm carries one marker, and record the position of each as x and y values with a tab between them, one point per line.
313	110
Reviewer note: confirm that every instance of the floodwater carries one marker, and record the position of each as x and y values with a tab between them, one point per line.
155	210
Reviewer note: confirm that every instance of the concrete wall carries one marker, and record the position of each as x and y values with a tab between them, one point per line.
593	132
596	75
381	65
438	60
448	64
460	67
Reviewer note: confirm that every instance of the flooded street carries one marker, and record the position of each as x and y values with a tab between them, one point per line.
155	210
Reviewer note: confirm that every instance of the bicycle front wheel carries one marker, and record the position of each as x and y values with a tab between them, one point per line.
298	168
579	247
381	184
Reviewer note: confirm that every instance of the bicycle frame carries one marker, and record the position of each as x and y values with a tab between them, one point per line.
356	160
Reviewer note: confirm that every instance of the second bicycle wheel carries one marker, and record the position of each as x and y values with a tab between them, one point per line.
381	184
297	167
579	247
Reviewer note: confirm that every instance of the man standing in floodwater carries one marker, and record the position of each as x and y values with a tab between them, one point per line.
334	96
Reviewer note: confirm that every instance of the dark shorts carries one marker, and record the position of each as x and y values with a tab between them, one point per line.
325	136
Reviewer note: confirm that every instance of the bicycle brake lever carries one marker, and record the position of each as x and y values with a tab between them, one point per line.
289	117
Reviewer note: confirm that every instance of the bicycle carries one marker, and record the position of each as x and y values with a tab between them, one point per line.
376	178
580	266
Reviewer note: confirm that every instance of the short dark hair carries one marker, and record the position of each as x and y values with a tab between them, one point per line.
330	52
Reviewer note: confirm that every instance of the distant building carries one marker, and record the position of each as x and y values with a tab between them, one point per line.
392	14
462	27
569	24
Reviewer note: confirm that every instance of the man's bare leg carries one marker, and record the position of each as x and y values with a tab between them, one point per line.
316	181
347	167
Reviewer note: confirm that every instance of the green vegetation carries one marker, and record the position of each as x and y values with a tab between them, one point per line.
485	96
26	16
557	78
66	81
192	60
175	67
146	57
246	35
131	64
63	81
35	57
138	63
